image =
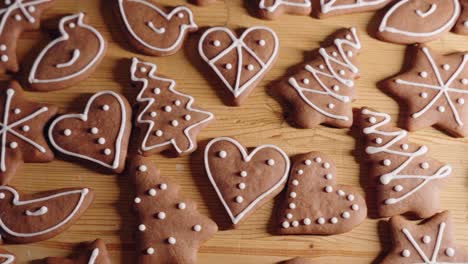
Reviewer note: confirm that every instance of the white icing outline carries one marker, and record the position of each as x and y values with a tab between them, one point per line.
239	45
183	27
329	61
247	158
84	117
149	102
94	256
76	55
9	258
384	27
16	201
328	7
278	3
443	87
39	212
5	12
9	128
64	37
429	12
385	179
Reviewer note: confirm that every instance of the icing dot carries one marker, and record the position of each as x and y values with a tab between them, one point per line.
446	67
321	220
350	197
31	9
426	239
295	223
372	120
241	186
152	192
317	159
105	107
142	227
181	206
378	140
387	162
423	95
94	130
2	195
18	17
346	215
465	23
158	133
262	42
250	67
285	224
3	47
295	182
142	69
461	101
17	111
217	43
341	193
174	123
350	54
228	66
441	109
464	81
142	168
197	228
271	162
101	141
300	172
450	252
423	74
187	117
156	91
326	165
293	195
4	58
72	25
161	215
150	251
289	216
181	15
306	81
153	114
336	88
331	106
243	174
292	206
222	154
342	72
177	102
334	220
172	240
328	176
26	128
137	200
398	188
307	221
334	54
13	145
355	207
239	199
168	108
328	189
163	186
348	37
67	132
405	146
424	165
321	66
406	253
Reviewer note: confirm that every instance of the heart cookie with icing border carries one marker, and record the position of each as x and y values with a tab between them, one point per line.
240	63
315	204
100	134
243	181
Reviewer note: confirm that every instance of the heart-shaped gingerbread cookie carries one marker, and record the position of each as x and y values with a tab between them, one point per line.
315	204
240	63
100	134
245	181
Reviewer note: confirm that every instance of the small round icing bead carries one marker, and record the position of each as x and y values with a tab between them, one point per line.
239	199
350	197
156	90
300	172
241	186
461	101
295	223
150	251
222	154
105	107
31	9
101	141
4	58
465	23
228	66
372	120
446	67
163	186
289	216
334	54
142	69
285	224
406	253
187	117
26	128
250	67
398	188
142	168
153	114
334	220
17	111
174	123
424	165
387	162
423	74
426	239
13	145
342	72
321	221
331	106
405	146
177	102
326	165
18	17
348	37
3	47
307	221
295	182
293	195
317	159
336	88
464	81
167	108
350	54
321	66
158	133
328	189
142	227
441	109
378	140
172	240
181	15
355	207
292	206
161	215
423	95
216	43
328	176
450	252
181	206
341	193
243	174
67	132
262	42
197	228
152	192
2	195
306	81
94	130
137	200
346	215
271	162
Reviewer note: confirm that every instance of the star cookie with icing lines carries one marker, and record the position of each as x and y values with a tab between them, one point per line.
407	180
418	21
245	181
170	228
431	241
322	91
16	17
166	118
69	59
152	30
94	253
462	24
314	204
34	218
329	8
21	136
272	9
7	257
239	62
99	135
435	90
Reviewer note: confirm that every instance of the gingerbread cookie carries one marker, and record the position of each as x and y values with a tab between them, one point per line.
33	218
22	131
7	257
165	118
315	204
240	63
431	241
17	16
329	8
322	92
462	24
153	31
245	182
95	253
418	21
70	58
204	2
406	179
100	134
272	9
298	261
170	228
435	90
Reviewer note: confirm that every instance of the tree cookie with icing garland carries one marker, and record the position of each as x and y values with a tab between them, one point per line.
94	253
240	62
34	218
418	21
323	90
17	16
406	179
245	181
22	131
151	29
272	9
431	241
315	204
69	59
99	134
7	257
435	90
166	119
329	8
170	229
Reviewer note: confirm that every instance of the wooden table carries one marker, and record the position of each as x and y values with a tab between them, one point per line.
260	120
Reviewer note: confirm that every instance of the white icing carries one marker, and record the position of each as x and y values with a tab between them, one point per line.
94	256
142	168
430	11
150	101
246	157
39	212
327	7
277	3
239	46
450	252
197	228
181	206
8	258
137	200
168	16
431	259
161	215
399	135
150	251
76	52
156	30
84	117
330	62
17	202
163	186
152	192
172	240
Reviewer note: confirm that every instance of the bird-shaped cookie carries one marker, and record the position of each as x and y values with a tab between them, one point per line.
94	253
6	257
70	58
152	30
33	218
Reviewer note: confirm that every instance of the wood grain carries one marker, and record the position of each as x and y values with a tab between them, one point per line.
259	121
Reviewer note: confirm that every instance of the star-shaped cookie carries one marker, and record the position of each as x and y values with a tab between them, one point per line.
435	89
429	242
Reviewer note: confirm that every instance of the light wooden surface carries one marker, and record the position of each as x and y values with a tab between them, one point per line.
260	120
